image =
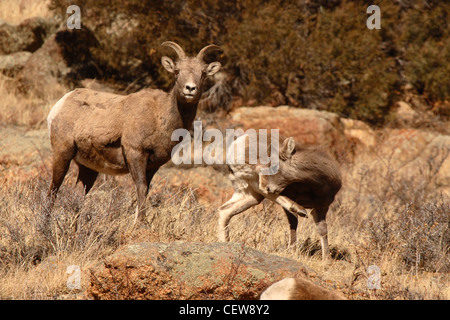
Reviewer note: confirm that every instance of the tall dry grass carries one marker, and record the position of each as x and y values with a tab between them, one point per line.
26	109
411	253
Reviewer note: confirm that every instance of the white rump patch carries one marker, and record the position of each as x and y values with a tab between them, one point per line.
55	110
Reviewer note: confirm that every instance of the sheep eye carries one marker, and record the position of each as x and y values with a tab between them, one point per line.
177	72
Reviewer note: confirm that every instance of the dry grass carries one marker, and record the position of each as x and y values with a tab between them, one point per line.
33	262
15	11
377	218
28	110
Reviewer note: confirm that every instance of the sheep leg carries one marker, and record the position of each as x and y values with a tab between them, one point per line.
293	223
87	177
149	176
137	165
239	202
60	166
287	204
319	216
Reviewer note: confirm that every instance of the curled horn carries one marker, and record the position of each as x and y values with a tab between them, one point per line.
176	48
207	49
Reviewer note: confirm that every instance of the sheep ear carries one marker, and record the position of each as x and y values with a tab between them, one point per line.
168	64
287	148
212	68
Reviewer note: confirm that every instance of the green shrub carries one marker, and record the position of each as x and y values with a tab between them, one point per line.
318	54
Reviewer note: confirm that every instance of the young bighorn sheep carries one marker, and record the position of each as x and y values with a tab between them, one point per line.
307	178
116	134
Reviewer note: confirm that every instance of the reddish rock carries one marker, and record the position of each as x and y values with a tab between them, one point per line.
310	127
188	271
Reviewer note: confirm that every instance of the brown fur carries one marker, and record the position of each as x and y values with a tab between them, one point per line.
115	134
307	178
298	289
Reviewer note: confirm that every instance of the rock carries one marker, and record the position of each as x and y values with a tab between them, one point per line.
188	271
419	157
359	132
29	35
310	127
298	289
65	57
405	113
437	154
407	164
12	63
404	145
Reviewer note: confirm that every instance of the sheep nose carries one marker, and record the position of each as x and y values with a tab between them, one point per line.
191	88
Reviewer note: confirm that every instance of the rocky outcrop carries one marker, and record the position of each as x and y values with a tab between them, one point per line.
310	127
359	134
404	113
182	270
40	57
29	35
416	157
65	58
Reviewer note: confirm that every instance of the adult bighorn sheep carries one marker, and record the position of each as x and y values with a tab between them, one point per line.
307	178
116	134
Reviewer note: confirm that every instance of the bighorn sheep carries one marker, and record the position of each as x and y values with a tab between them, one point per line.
306	178
116	134
298	289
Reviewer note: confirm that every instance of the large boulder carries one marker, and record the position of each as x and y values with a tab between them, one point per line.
310	127
182	270
404	113
418	156
65	58
29	35
359	134
407	167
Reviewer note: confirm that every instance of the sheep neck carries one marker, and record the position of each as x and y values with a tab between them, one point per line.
187	111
